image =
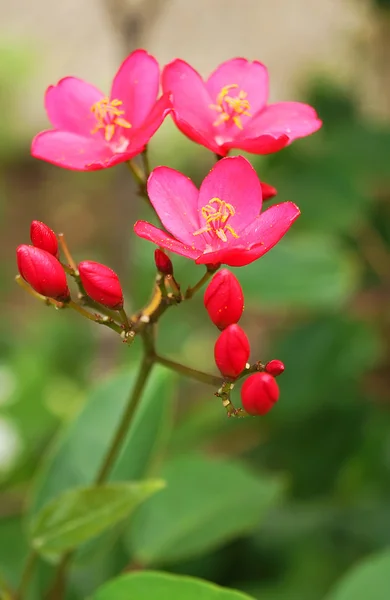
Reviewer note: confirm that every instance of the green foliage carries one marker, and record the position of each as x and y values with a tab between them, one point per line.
159	586
78	515
198	505
369	579
70	465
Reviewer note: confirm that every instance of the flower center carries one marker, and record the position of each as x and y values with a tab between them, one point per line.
217	214
231	107
108	116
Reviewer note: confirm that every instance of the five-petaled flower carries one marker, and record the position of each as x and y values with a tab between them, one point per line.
93	131
230	109
221	222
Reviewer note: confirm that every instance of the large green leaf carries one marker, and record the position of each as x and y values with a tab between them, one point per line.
161	586
79	453
368	580
206	503
308	271
79	515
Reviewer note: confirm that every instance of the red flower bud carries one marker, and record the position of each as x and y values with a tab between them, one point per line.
163	262
101	284
43	272
259	393
223	299
231	351
268	191
43	237
274	367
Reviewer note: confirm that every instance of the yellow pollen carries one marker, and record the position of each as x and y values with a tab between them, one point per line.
108	116
216	214
231	107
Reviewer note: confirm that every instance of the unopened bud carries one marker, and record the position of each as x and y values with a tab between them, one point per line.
223	299
43	237
101	284
43	272
259	393
163	262
231	351
268	191
274	367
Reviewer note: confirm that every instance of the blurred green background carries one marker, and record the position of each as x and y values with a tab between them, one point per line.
317	492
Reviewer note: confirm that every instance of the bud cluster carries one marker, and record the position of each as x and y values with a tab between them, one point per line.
224	302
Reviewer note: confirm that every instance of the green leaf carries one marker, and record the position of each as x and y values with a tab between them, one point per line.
205	504
79	515
160	586
80	451
307	271
370	579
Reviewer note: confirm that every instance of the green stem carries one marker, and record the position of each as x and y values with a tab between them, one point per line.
213	380
26	575
107	321
57	591
112	454
192	290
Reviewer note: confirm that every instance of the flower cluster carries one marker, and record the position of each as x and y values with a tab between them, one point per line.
222	222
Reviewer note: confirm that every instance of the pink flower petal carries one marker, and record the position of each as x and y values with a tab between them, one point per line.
191	101
136	84
153	234
175	199
141	136
258	238
68	105
264	144
205	139
234	181
71	151
293	119
250	77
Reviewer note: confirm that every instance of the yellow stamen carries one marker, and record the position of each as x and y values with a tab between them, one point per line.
216	219
230	107
108	116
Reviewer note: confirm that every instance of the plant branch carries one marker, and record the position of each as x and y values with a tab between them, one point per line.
213	380
210	270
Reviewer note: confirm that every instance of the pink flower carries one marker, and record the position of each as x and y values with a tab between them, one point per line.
220	223
230	110
93	131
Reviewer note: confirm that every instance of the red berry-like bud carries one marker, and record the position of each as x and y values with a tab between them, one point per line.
223	299
101	284
163	262
231	351
268	191
274	367
259	393
43	237
43	272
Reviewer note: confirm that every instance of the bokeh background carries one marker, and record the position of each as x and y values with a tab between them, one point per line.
319	301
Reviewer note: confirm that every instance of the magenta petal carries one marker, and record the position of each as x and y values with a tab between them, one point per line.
68	105
190	98
153	234
205	139
234	181
141	136
136	84
250	77
71	151
258	238
268	228
264	144
293	119
175	199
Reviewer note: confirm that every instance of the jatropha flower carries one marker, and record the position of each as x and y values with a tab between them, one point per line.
229	109
231	351
224	299
221	222
259	393
43	272
92	131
